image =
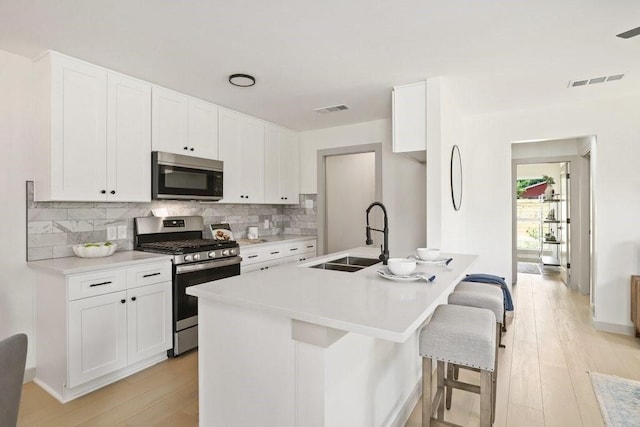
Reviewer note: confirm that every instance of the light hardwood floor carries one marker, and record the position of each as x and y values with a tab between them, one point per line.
543	379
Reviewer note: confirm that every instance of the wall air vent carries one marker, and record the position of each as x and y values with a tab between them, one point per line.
331	108
594	80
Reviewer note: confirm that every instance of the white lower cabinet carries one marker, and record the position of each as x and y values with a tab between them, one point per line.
95	328
97	337
265	256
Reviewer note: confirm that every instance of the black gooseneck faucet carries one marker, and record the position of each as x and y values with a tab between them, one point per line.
384	249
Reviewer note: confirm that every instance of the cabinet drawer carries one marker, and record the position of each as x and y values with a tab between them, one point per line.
296	248
252	256
96	283
148	274
258	266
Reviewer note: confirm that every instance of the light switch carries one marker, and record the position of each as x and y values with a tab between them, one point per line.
122	232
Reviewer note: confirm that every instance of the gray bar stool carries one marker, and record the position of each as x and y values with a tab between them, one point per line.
464	336
480	296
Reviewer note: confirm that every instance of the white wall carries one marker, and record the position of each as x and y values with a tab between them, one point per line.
485	217
16	290
403	178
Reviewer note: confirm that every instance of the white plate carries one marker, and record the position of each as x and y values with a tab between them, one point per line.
222	234
442	261
406	278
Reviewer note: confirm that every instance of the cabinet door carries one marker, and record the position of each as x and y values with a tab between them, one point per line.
203	129
78	130
149	321
252	160
272	141
409	117
289	167
97	337
128	140
229	144
169	122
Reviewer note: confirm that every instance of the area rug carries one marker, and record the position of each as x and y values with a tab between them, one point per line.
619	399
528	268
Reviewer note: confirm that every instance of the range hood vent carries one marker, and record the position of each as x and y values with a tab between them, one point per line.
331	108
595	80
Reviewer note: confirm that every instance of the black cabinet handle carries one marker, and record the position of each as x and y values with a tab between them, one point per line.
186	148
133	298
275	253
151	274
103	192
123	301
113	191
293	249
99	284
252	256
309	246
191	148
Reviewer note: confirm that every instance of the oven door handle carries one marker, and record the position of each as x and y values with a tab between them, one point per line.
188	268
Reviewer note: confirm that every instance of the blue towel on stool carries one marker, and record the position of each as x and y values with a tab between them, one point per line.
495	280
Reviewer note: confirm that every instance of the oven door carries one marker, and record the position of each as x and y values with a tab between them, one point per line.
185	307
182	177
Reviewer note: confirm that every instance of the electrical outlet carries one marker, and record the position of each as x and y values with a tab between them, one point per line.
122	232
112	233
266	224
308	204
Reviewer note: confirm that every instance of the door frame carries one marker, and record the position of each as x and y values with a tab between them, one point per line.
577	227
322	205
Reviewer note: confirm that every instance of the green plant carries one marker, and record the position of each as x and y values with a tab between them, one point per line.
548	179
532	232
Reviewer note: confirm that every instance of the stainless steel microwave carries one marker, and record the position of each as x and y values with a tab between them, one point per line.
179	177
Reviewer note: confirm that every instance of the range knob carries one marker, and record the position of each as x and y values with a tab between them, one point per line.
225	252
196	257
188	258
212	254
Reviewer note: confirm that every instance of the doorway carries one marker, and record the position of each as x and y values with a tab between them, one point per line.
574	217
543	215
349	179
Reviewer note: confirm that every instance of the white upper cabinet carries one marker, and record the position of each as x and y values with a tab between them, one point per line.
242	151
409	117
170	121
281	160
92	133
128	139
184	125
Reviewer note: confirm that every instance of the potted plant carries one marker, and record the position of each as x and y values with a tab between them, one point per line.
549	191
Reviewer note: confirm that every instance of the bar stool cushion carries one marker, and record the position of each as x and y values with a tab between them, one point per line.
491	299
461	335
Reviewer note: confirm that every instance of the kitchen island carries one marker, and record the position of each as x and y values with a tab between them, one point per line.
301	346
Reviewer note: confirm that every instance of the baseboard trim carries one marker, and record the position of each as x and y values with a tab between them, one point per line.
613	328
29	375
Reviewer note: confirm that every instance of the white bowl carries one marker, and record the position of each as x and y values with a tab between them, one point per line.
428	254
94	250
401	266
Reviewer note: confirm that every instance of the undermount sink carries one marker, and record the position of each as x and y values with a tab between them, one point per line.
349	264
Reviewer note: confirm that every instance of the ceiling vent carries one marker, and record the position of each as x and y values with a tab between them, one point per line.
331	108
595	80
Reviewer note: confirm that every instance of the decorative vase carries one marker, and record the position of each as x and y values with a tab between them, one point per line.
549	192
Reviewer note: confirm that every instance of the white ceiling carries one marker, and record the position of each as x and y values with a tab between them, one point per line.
308	54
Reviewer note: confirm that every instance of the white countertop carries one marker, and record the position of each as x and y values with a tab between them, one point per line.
268	240
361	302
72	265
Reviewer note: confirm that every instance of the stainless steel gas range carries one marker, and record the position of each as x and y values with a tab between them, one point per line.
195	261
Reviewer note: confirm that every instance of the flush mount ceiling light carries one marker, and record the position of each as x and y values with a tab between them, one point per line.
628	34
242	80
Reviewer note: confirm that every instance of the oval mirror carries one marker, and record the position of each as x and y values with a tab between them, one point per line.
456	177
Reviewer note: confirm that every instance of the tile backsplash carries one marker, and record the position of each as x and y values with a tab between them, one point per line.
54	227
